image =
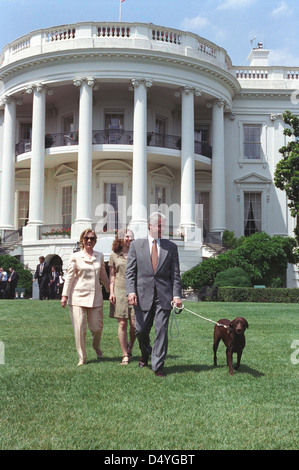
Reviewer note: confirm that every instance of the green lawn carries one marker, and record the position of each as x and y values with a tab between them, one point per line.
49	403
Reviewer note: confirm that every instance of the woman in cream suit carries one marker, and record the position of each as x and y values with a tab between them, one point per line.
82	291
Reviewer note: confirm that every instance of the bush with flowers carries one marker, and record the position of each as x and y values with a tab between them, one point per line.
66	232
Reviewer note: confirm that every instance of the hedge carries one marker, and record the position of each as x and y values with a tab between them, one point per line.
25	276
250	294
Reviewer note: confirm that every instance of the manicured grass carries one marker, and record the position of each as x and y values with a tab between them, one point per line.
49	403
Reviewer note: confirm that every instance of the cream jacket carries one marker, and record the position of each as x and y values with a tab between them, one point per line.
82	283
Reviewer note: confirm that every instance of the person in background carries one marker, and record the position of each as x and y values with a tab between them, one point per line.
119	307
42	275
54	282
12	282
83	293
3	282
60	285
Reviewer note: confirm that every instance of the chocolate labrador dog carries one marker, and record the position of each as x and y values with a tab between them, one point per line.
233	338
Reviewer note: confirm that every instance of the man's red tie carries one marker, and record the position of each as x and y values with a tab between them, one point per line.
154	255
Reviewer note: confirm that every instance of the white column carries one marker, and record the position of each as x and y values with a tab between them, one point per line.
8	165
218	168
187	224
37	170
84	177
37	164
139	184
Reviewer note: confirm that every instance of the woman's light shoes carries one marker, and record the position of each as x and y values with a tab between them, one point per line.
125	360
99	356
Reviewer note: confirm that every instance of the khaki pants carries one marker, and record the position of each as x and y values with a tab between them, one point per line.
95	324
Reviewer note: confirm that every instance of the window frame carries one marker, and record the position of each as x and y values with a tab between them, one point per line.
247	220
263	142
63	186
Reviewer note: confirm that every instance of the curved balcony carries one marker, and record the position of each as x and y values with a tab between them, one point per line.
103	35
115	137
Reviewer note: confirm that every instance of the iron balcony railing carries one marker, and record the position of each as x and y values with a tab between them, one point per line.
10	236
116	137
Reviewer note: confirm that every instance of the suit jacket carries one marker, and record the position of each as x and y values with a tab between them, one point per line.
45	274
55	281
82	283
141	279
14	279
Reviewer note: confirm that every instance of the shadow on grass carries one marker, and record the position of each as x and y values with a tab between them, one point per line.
248	370
181	368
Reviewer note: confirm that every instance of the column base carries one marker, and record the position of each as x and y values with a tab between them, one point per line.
79	227
139	228
30	232
191	232
215	236
7	227
218	231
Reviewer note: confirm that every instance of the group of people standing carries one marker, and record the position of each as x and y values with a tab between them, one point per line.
50	281
8	283
144	280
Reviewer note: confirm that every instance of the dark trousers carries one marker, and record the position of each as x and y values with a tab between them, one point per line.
43	289
10	291
143	323
2	289
53	291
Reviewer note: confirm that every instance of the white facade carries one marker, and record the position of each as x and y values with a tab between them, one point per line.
138	115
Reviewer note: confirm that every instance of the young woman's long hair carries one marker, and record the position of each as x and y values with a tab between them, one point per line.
119	239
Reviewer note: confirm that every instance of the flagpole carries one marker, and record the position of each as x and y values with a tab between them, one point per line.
120	2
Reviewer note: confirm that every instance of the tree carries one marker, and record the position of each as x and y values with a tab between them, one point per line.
262	257
286	176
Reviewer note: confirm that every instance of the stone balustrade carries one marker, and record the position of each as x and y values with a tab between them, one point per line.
84	35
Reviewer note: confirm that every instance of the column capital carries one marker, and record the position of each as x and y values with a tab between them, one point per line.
78	81
7	99
40	87
219	103
187	90
273	117
91	81
147	82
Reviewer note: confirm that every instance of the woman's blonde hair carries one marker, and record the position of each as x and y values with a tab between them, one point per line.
83	234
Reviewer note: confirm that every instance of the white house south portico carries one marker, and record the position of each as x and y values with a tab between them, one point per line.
100	122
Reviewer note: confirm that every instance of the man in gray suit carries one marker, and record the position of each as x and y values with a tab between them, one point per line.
152	283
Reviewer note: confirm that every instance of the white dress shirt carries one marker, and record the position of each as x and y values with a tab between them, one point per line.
150	241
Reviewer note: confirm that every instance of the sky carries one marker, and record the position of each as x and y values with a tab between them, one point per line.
235	25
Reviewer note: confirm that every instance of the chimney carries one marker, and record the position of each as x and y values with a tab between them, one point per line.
258	56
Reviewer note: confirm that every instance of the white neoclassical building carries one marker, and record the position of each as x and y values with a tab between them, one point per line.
102	122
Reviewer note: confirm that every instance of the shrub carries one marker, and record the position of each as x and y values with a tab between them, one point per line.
25	276
229	240
263	258
236	277
204	273
251	294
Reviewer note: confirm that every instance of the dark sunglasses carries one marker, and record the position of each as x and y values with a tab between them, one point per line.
90	238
